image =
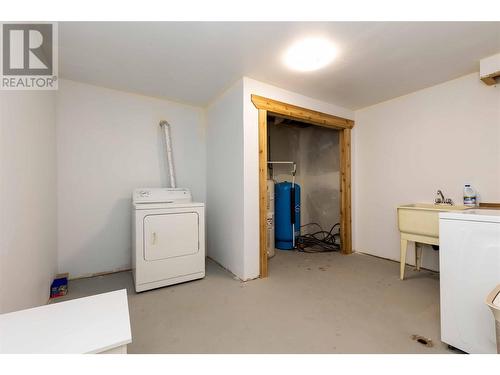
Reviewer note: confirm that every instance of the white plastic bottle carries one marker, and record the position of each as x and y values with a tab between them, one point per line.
469	196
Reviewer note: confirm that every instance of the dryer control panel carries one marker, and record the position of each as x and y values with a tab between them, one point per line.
162	195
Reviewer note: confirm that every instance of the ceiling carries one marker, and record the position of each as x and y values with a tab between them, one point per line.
192	62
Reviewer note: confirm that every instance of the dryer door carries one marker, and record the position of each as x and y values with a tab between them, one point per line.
171	235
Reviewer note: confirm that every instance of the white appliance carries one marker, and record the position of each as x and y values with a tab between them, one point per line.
469	263
168	238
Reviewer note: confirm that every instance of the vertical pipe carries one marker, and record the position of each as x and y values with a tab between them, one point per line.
166	128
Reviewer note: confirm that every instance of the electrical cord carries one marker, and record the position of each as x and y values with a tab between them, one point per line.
320	241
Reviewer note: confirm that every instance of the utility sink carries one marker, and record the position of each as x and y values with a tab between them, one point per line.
422	219
419	222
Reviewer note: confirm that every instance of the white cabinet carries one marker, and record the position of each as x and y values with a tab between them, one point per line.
469	258
95	324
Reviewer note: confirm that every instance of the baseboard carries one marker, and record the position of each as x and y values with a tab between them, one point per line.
395	261
88	276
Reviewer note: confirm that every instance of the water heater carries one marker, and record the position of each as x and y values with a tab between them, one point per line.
287	214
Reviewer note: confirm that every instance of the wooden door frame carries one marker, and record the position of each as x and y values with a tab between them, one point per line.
267	106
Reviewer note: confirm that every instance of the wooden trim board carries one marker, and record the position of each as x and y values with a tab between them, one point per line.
263	192
345	192
490	206
490	79
302	114
267	106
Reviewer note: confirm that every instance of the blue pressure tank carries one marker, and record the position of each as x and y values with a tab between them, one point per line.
286	214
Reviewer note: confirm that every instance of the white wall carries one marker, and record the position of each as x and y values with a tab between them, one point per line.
251	158
28	257
225	180
407	148
109	143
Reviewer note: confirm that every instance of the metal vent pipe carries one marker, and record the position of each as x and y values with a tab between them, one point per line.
166	129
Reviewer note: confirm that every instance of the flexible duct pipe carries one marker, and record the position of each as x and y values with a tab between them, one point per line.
166	128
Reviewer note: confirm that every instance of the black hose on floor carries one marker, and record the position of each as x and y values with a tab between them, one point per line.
320	241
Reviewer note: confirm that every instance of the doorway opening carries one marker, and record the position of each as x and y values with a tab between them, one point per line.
307	139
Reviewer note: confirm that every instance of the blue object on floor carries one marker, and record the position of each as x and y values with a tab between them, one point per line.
287	213
59	286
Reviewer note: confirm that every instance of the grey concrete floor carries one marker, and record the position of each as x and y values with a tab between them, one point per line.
311	303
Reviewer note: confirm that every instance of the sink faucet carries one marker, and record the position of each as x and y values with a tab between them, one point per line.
440	199
440	193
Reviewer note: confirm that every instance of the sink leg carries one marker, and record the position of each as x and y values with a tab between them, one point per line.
404	246
418	256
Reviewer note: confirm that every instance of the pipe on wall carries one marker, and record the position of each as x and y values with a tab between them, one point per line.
166	128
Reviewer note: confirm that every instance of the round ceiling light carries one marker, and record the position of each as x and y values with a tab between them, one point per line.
310	54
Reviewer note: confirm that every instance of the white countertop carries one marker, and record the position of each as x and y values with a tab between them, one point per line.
472	215
84	325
